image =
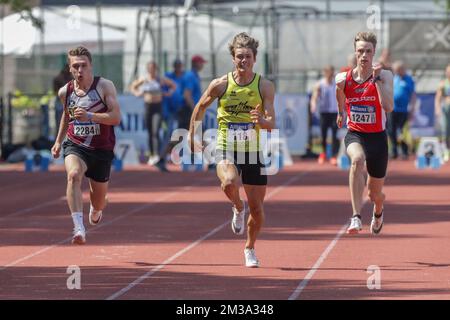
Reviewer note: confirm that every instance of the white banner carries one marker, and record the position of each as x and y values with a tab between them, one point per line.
132	127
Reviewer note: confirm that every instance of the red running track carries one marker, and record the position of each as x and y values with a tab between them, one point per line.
167	236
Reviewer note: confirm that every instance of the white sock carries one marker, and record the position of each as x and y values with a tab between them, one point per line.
77	218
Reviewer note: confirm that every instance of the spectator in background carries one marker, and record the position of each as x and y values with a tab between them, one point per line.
192	91
442	107
172	105
60	81
351	63
323	100
404	95
151	89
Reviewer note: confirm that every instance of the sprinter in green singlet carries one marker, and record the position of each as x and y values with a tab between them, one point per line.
245	105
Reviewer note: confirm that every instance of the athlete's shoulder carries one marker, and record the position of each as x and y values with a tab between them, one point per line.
340	79
105	84
63	91
266	86
104	81
218	86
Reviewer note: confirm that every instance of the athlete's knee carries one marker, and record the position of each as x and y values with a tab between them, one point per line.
358	162
229	183
74	176
257	213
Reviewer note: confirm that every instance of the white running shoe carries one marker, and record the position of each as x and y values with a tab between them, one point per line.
355	225
94	219
251	261
238	221
79	236
376	224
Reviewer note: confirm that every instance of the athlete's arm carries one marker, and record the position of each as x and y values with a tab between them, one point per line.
266	120
215	89
112	116
340	96
438	99
385	90
134	87
63	125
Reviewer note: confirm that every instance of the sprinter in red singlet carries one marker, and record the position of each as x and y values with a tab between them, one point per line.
90	112
366	93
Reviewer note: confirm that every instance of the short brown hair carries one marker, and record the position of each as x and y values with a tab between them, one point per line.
79	51
366	36
243	40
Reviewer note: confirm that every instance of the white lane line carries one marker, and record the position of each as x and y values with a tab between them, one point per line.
319	261
195	243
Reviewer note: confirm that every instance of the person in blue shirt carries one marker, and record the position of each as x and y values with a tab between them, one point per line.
192	91
404	96
172	105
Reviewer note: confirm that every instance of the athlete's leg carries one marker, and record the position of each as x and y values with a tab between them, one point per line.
75	168
255	195
356	176
375	186
229	179
98	191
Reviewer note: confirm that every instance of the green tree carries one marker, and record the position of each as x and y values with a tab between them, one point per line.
24	8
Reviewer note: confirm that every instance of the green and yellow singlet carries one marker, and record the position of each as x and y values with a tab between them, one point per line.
236	129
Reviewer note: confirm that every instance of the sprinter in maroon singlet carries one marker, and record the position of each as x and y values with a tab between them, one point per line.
366	93
90	112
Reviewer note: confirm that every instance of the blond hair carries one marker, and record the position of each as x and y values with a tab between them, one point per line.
79	51
366	36
243	40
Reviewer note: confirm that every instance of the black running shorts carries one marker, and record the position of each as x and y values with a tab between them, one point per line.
250	166
98	162
375	148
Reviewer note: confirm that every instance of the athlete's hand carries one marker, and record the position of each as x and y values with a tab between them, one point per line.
339	120
80	114
257	116
56	149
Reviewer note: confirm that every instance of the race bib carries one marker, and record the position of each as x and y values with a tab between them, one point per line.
241	131
363	114
86	129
